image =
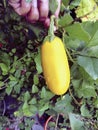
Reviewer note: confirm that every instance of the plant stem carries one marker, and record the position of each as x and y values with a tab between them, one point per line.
56	122
51	29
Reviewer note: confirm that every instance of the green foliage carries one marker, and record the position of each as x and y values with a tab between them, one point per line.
53	6
87	10
75	123
21	75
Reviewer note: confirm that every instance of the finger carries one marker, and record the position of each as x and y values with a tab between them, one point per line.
15	4
33	15
24	8
14	1
43	6
47	22
58	8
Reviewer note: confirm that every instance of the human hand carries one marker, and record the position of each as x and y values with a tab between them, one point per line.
35	10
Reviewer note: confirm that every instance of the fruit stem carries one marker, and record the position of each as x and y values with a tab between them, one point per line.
51	28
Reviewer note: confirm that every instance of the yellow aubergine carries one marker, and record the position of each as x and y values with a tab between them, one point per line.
55	66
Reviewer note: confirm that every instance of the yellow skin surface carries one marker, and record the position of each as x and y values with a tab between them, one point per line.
55	66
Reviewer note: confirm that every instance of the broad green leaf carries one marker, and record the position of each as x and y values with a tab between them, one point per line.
74	43
84	111
77	87
90	27
92	51
87	90
75	122
65	2
64	105
38	63
94	40
87	10
90	65
85	76
53	6
77	31
65	20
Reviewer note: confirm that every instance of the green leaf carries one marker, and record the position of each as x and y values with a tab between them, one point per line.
17	88
65	20
96	103
77	87
36	79
88	90
75	122
94	40
65	2
43	108
26	110
26	96
75	3
77	31
85	112
12	83
33	109
34	89
43	93
38	63
73	43
1	83
4	68
12	70
4	56
89	9
12	78
89	65
46	95
52	6
33	101
13	50
64	105
92	51
9	90
18	72
90	27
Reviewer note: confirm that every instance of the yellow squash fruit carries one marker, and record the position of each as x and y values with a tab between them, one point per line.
55	66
